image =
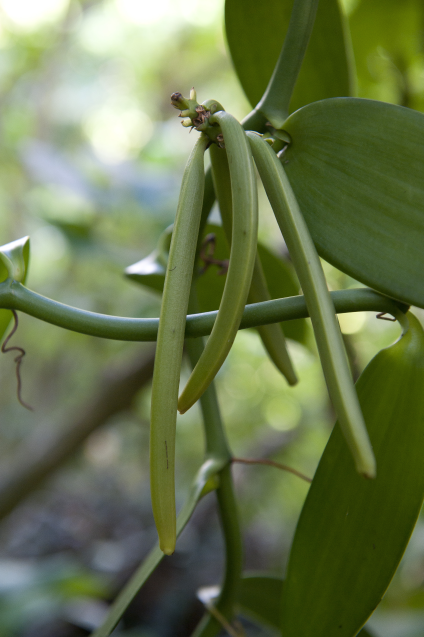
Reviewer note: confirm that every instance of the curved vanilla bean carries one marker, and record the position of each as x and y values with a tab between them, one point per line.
272	336
166	374
321	309
242	260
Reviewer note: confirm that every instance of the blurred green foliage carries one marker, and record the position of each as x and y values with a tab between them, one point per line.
91	157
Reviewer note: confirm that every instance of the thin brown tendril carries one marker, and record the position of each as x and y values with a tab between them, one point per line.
206	254
272	463
385	318
18	359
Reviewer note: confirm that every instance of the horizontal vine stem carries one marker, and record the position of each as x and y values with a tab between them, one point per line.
15	296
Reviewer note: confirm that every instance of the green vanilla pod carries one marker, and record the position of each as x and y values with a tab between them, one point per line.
242	260
166	374
352	533
321	309
272	336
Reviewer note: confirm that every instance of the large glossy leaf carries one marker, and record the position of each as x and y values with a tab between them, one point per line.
14	259
356	167
279	274
352	532
255	35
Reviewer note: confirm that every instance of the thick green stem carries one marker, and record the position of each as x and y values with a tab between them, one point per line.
227	506
15	296
276	99
215	438
217	448
255	121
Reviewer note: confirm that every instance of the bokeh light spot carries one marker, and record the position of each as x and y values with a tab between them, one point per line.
29	14
142	12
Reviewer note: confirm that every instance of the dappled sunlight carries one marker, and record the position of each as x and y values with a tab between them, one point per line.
143	13
30	14
117	132
148	13
353	322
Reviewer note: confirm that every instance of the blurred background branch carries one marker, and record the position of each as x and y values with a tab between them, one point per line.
44	452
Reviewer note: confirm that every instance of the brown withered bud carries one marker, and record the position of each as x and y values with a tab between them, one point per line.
202	116
178	101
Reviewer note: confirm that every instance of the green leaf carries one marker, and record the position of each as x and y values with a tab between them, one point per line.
260	598
279	274
356	167
352	532
14	259
255	35
151	270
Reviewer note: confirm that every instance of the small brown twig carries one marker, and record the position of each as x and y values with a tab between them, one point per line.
272	463
206	254
385	318
18	359
231	630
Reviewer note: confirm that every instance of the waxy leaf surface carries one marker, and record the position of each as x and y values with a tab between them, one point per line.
255	35
352	532
357	167
260	599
